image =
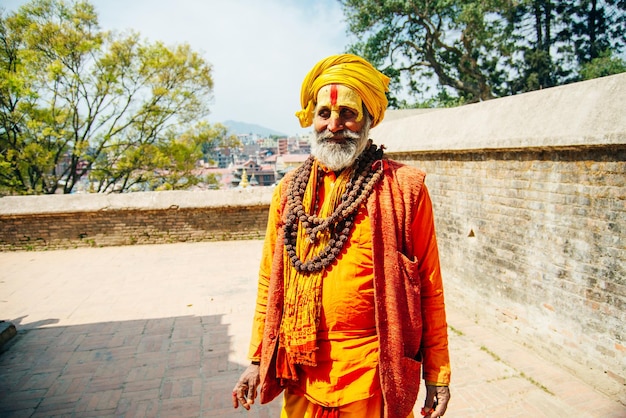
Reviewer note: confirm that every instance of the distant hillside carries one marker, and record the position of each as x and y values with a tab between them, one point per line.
242	128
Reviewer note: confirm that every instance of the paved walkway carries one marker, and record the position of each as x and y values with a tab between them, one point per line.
162	331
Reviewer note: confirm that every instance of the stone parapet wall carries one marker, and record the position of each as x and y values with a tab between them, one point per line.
533	242
71	221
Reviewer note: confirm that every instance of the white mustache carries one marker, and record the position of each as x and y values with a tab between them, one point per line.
344	134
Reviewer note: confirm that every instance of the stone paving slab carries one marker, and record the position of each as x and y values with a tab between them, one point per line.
162	331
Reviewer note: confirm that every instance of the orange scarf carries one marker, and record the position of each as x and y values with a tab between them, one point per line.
303	291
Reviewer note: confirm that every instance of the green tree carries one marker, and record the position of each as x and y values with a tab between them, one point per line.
534	65
78	102
458	44
558	39
448	52
594	28
602	66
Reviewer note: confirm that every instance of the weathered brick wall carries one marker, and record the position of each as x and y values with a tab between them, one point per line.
70	221
130	227
533	241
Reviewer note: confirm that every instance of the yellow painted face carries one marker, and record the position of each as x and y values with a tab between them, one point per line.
336	96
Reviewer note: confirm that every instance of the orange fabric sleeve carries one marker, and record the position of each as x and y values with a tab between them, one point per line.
258	322
436	360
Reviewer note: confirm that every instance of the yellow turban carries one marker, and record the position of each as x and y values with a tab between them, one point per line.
351	71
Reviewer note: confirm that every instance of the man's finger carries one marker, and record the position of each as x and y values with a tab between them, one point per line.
242	396
239	396
235	401
244	403
251	395
240	399
438	413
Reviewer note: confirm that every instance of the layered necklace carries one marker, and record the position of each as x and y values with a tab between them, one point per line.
340	222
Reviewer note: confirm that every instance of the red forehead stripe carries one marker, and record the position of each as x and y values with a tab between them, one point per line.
333	94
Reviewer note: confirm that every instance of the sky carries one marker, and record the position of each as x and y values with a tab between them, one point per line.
260	50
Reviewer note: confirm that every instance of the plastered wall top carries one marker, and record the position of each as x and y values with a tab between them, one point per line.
21	205
588	113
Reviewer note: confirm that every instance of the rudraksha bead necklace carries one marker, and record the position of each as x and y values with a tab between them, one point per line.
340	222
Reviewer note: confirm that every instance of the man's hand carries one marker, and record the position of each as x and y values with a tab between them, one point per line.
244	391
436	402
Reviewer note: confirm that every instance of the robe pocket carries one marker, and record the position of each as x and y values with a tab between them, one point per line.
411	371
410	270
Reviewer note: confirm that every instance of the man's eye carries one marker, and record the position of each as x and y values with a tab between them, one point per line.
348	113
324	113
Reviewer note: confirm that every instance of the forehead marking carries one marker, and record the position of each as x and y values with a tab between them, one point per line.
333	95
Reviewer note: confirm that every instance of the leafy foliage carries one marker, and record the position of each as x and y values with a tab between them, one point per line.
77	102
445	52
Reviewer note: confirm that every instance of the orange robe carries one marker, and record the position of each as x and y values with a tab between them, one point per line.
332	383
347	355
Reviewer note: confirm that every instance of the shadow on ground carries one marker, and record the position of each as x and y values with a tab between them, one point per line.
166	367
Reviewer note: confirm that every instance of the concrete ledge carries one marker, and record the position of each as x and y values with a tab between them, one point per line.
22	205
589	113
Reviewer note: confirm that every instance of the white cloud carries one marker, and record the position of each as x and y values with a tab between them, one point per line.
260	50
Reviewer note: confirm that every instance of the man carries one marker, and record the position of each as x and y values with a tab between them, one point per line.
350	299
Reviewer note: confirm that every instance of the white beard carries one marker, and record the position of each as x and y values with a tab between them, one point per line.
338	155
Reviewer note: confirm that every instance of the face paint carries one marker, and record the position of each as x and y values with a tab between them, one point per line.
336	96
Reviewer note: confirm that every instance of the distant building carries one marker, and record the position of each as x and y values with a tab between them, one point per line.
304	146
286	163
283	146
294	145
265	161
264	175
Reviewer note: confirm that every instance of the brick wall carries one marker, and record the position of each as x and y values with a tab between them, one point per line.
533	242
70	221
130	227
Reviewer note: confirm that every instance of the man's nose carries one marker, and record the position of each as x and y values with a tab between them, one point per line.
335	123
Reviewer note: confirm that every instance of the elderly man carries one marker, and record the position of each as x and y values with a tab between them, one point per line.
350	301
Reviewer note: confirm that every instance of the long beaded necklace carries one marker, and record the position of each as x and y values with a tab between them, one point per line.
340	222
